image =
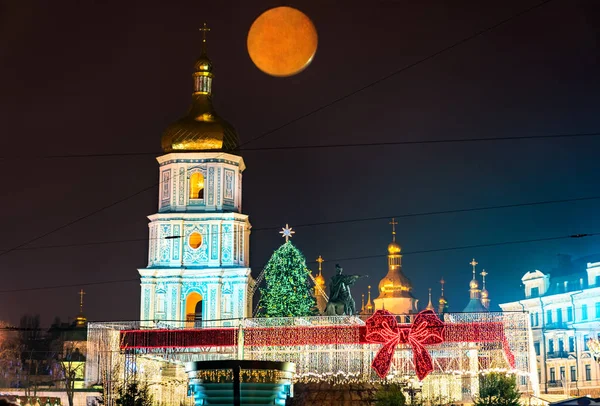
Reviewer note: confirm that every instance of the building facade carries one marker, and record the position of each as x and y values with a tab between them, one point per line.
198	256
564	312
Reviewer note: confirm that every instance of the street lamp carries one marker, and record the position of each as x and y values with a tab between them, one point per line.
413	387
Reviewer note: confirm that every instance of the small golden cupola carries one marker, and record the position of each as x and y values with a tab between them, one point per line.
395	288
201	129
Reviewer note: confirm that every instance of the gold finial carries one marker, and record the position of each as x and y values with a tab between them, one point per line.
362	308
430	295
473	263
204	30
81	293
483	273
442	282
320	260
287	232
393	223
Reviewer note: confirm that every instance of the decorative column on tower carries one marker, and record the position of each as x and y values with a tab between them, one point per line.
395	288
485	296
474	305
442	302
320	287
198	265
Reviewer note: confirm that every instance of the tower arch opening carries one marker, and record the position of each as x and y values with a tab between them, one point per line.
197	186
193	310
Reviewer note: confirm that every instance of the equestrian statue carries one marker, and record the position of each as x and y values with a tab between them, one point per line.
340	299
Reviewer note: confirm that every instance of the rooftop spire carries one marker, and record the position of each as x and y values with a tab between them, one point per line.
429	305
483	274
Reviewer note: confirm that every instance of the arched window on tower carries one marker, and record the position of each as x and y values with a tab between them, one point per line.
197	186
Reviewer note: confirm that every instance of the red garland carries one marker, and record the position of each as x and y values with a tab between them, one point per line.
382	328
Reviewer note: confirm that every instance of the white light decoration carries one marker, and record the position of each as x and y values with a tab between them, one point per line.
456	363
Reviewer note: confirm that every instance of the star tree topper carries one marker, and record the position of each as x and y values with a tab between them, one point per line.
287	232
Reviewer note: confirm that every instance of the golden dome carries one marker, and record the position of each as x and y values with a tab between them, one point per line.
394	248
203	64
319	280
201	129
474	284
484	294
80	320
395	284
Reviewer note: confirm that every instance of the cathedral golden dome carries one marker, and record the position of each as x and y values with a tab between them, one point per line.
484	294
201	129
474	284
395	284
394	248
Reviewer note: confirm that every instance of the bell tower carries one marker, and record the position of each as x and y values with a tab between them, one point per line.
198	255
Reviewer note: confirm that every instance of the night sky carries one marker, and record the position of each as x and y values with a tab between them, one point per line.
87	77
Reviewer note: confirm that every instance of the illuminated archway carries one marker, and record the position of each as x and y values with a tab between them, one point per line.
193	309
197	186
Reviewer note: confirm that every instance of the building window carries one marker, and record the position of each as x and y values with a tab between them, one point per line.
569	313
535	292
536	346
588	372
571	344
531	315
583	312
523	380
597	280
562	373
558	316
195	240
197	186
585	342
550	345
552	375
561	345
573	373
598	310
537	319
548	316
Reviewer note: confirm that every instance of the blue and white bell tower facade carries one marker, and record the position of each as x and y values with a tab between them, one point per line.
199	243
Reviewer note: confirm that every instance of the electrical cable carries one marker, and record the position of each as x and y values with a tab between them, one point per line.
513	242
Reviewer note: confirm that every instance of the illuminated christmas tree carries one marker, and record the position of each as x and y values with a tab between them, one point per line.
288	292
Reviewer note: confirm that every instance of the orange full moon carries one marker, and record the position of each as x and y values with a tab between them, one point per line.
282	41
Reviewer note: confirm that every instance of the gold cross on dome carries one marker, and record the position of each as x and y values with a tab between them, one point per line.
393	223
320	260
473	263
81	293
204	30
287	232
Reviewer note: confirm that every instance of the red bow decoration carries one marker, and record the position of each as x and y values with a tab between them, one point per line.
382	328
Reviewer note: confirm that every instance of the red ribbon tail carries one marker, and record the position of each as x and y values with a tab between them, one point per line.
423	363
383	360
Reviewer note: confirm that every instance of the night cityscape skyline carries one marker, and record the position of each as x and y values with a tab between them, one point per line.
82	79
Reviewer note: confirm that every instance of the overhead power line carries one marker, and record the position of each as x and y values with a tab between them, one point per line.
456	248
326	223
325	146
